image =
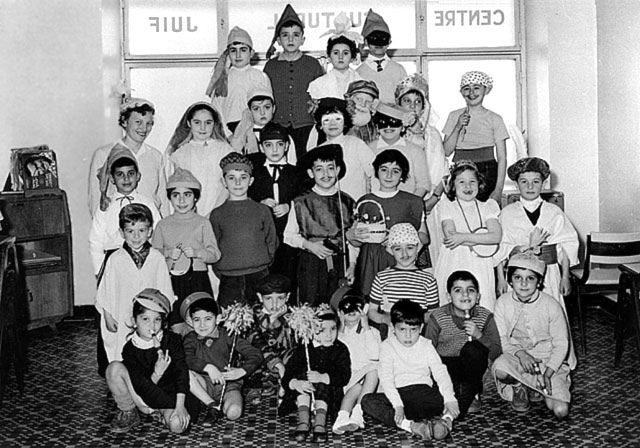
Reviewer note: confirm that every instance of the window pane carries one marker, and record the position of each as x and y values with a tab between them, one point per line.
259	19
470	23
444	91
171	90
184	27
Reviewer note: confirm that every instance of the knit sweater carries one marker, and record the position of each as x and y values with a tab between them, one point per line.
386	80
246	236
446	331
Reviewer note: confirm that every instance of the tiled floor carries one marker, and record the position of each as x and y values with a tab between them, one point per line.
66	404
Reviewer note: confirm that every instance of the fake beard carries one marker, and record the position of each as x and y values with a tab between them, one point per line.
361	117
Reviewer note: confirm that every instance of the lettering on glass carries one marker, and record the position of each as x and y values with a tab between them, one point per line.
323	19
172	24
468	17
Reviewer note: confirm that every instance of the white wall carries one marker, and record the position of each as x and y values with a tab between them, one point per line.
52	92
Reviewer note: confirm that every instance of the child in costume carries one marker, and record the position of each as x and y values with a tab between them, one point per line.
290	73
377	212
187	241
318	223
271	334
334	122
475	133
362	100
245	233
363	343
409	364
198	144
378	67
404	280
466	338
228	88
342	49
105	236
152	376
536	357
130	269
207	351
321	377
459	217
389	122
537	225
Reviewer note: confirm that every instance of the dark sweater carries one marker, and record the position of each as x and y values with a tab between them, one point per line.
141	362
215	350
246	236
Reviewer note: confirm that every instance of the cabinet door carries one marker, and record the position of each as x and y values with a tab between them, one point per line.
48	296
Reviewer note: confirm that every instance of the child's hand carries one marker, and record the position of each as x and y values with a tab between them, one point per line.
110	322
234	373
464	119
214	374
364	317
399	417
452	409
281	311
189	252
175	253
162	363
565	285
361	234
301	386
280	210
281	369
318	249
454	240
548	373
502	286
180	413
471	329
317	377
269	202
528	362
351	273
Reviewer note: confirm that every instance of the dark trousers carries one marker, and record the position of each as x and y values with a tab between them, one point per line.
239	289
466	372
420	402
285	262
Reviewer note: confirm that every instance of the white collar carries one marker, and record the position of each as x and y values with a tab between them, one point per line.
371	60
268	163
384	145
331	192
142	344
531	206
386	194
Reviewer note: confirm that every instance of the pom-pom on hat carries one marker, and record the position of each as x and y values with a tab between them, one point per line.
236	161
183	178
131	103
363	86
375	30
402	233
534	164
324	153
527	260
273	131
238	35
154	300
190	300
413	83
288	16
476	77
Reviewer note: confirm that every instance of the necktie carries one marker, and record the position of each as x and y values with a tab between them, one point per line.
125	197
276	168
379	64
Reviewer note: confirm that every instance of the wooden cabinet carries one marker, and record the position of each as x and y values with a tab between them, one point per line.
552	196
42	229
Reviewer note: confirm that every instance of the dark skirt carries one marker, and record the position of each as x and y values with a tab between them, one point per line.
487	166
184	285
372	259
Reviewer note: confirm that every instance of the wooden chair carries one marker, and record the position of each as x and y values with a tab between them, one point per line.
600	274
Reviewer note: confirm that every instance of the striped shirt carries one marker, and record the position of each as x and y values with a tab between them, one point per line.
391	285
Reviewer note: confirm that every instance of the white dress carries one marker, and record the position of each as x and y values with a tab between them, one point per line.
203	160
461	258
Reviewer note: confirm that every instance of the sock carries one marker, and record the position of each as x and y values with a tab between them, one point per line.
303	418
321	419
356	411
342	413
406	425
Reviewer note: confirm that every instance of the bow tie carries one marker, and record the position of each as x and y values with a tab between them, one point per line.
276	169
379	64
123	198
